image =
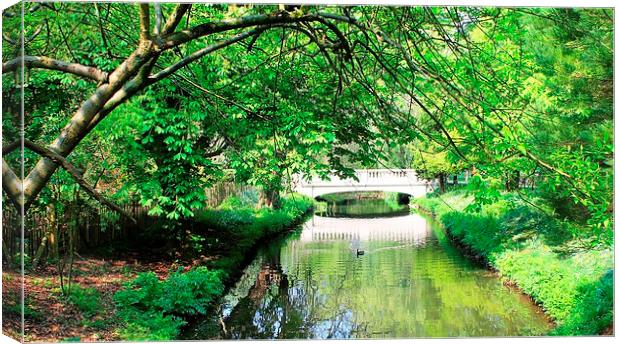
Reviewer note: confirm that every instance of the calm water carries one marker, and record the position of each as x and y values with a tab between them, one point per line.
410	282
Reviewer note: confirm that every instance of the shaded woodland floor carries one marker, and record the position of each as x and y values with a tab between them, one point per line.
49	316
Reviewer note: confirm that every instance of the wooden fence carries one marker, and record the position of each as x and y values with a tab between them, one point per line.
94	225
219	192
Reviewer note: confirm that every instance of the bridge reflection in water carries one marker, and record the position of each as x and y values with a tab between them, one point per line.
407	229
411	282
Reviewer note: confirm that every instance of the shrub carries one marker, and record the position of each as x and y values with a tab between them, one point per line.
153	309
150	325
249	225
97	324
232	202
189	293
87	300
593	311
245	199
226	218
144	293
15	308
296	205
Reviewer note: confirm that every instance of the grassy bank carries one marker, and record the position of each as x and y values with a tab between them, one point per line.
154	309
568	274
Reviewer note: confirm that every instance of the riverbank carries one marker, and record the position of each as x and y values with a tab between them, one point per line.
153	309
138	297
570	276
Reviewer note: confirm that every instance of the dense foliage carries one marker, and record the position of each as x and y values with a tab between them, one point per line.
511	93
241	226
153	309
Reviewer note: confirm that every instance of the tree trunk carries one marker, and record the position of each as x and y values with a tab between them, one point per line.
276	201
53	236
442	183
455	180
270	197
512	182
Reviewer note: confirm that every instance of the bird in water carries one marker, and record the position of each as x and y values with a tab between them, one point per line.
359	252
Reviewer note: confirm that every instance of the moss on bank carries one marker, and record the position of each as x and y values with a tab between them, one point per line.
151	309
571	277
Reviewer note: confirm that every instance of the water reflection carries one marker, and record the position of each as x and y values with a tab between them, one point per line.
410	282
364	208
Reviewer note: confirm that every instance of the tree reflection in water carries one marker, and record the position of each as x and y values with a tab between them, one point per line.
275	309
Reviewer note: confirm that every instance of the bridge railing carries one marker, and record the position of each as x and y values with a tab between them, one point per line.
370	177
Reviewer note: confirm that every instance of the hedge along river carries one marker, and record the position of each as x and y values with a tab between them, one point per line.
409	282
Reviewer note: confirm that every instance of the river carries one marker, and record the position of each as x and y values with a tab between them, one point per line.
409	282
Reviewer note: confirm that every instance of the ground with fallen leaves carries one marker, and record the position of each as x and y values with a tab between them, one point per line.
51	317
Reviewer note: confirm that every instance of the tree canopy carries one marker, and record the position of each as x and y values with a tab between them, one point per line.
157	101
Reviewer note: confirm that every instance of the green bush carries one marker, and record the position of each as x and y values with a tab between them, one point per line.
144	293
233	202
189	293
593	311
87	300
234	217
150	326
14	307
153	310
296	205
530	247
226	218
97	324
246	226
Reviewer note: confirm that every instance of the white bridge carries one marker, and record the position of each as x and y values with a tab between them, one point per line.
396	180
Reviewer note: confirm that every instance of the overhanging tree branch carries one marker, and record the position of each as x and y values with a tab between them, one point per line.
126	80
177	38
202	52
76	174
175	18
49	63
159	16
8	148
12	185
145	23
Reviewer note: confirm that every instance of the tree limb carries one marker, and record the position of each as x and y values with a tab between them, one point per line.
12	185
145	23
77	176
177	38
175	18
159	16
8	148
77	128
133	86
202	52
49	63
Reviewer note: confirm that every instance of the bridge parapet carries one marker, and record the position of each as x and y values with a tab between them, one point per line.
370	177
389	180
